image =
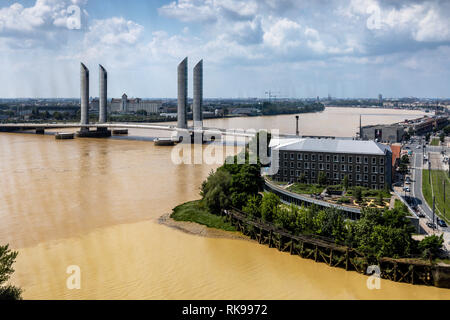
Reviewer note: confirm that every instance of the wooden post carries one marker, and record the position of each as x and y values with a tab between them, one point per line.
270	239
315	253
346	259
331	257
302	250
260	234
395	271
412	274
292	247
280	243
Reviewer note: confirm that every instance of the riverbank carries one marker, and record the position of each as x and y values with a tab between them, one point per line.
192	219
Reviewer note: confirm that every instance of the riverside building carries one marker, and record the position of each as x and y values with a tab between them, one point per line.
366	163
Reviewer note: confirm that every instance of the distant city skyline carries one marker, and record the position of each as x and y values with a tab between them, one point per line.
356	49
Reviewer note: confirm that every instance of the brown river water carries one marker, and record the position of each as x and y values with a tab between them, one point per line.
95	203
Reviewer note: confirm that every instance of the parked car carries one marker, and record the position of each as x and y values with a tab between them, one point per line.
421	215
431	225
441	223
406	189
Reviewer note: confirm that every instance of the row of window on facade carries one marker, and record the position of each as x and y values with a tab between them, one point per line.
335	176
335	158
327	167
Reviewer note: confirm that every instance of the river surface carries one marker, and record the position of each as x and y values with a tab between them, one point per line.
95	203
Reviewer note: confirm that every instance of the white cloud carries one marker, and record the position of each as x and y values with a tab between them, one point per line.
114	31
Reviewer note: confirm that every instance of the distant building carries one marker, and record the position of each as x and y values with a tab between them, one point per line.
366	163
383	133
126	105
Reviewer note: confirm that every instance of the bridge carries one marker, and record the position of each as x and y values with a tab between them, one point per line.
101	128
41	127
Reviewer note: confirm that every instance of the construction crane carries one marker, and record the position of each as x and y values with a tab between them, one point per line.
272	94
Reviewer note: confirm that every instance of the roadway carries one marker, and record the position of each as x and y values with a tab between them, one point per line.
417	197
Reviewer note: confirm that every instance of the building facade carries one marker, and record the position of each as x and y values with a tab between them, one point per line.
383	133
366	163
126	105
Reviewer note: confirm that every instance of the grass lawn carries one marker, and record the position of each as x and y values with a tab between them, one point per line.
438	177
435	142
303	188
194	212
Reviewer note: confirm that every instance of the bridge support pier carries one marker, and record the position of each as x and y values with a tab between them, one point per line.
98	133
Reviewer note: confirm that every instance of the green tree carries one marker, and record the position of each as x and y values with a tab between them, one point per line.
253	206
215	191
345	182
431	245
269	206
357	194
442	137
7	259
302	178
380	198
322	178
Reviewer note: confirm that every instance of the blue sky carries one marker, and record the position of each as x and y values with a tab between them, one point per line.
301	49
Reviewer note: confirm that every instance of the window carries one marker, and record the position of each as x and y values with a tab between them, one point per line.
350	177
299	156
374	186
366	169
313	166
350	159
313	157
382	179
313	174
358	159
374	178
342	176
297	173
320	158
382	170
292	164
292	173
382	161
328	158
358	177
285	172
328	175
366	160
358	169
374	169
285	164
335	158
299	165
366	177
336	176
374	161
305	157
335	168
350	168
320	166
343	167
343	159
306	165
292	156
328	166
285	156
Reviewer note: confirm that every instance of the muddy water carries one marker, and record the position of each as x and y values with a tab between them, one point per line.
95	203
